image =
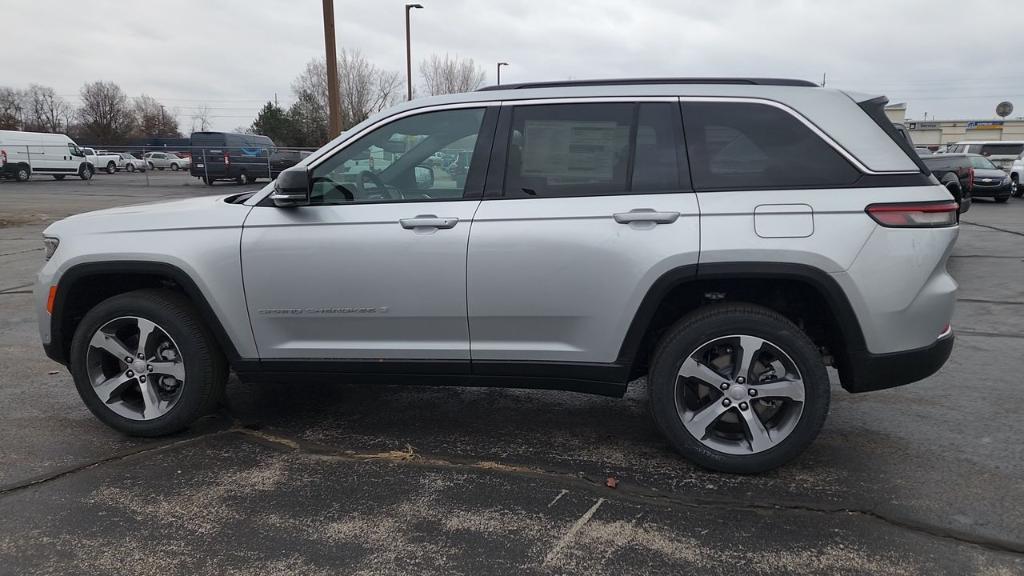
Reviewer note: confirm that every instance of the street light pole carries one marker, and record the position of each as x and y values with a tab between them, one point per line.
500	64
408	50
333	100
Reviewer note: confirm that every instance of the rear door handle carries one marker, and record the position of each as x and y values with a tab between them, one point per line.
428	221
646	215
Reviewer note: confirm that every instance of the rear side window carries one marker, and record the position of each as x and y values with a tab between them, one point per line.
748	146
1002	149
594	149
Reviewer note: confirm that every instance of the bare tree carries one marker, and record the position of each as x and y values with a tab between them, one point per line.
12	109
152	118
45	110
449	75
363	87
105	114
201	118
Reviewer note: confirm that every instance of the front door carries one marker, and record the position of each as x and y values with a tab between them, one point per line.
375	267
594	205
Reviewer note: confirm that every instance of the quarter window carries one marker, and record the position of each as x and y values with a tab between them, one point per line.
749	146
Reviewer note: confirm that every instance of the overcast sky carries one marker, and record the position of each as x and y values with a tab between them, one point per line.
949	59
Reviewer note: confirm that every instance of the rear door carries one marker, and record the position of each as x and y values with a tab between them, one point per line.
587	204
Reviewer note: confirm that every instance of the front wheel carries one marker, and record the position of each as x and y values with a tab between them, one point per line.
85	172
174	167
1016	188
111	168
130	167
738	388
144	363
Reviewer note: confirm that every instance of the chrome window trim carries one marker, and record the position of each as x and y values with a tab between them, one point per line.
592	99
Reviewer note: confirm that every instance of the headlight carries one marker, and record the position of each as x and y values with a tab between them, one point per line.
50	246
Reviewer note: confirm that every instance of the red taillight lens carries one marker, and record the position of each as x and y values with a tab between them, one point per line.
922	215
227	158
970	179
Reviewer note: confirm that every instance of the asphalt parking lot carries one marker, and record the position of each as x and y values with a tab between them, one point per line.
297	478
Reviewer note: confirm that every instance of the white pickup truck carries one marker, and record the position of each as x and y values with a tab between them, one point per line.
102	160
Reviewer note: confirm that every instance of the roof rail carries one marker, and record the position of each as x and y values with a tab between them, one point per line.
651	81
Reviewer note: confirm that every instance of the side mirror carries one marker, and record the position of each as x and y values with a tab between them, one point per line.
291	188
424	177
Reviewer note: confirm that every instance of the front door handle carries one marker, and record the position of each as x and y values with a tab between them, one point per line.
428	221
646	215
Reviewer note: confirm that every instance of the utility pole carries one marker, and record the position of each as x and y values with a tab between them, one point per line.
500	64
823	74
333	99
408	51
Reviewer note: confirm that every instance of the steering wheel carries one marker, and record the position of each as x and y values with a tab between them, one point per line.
381	187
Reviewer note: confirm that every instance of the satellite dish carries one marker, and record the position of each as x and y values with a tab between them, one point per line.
1004	109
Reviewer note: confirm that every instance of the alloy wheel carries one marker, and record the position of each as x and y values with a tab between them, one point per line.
135	368
739	394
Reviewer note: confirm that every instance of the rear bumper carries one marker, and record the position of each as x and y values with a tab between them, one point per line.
867	371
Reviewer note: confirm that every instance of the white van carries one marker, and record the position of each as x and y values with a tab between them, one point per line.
1002	153
25	153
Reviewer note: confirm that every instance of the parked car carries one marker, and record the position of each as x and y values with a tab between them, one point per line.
23	154
1002	153
130	163
282	159
162	160
1017	177
974	174
243	158
102	160
568	258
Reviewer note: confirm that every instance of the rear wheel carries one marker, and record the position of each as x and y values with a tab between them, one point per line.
145	365
174	167
130	167
111	167
151	166
85	172
1016	190
738	388
58	176
243	178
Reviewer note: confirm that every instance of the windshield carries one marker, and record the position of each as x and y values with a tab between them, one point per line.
981	162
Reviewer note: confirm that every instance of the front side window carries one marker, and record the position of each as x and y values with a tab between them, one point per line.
416	158
593	149
982	163
750	146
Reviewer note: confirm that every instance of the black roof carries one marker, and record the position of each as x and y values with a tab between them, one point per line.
651	81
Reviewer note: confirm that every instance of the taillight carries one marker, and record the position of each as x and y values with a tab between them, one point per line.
914	215
227	158
970	179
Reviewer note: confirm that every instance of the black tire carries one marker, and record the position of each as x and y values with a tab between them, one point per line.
22	173
129	167
243	178
1017	190
85	172
150	165
111	167
58	176
707	324
174	167
208	181
205	367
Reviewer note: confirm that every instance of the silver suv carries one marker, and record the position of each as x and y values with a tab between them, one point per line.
726	238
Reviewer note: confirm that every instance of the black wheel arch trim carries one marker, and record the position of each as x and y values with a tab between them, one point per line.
850	330
57	348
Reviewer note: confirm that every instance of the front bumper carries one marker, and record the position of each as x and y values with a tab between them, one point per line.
867	371
995	191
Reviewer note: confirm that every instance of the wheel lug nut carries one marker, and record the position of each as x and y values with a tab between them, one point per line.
752	392
141	356
743	405
724	386
128	359
142	378
726	402
129	374
149	368
741	380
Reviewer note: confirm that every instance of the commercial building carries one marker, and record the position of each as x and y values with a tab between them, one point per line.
941	132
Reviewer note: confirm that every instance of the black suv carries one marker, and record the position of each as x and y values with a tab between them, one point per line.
968	176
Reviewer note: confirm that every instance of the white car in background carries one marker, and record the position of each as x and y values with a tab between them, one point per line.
161	160
102	160
130	163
